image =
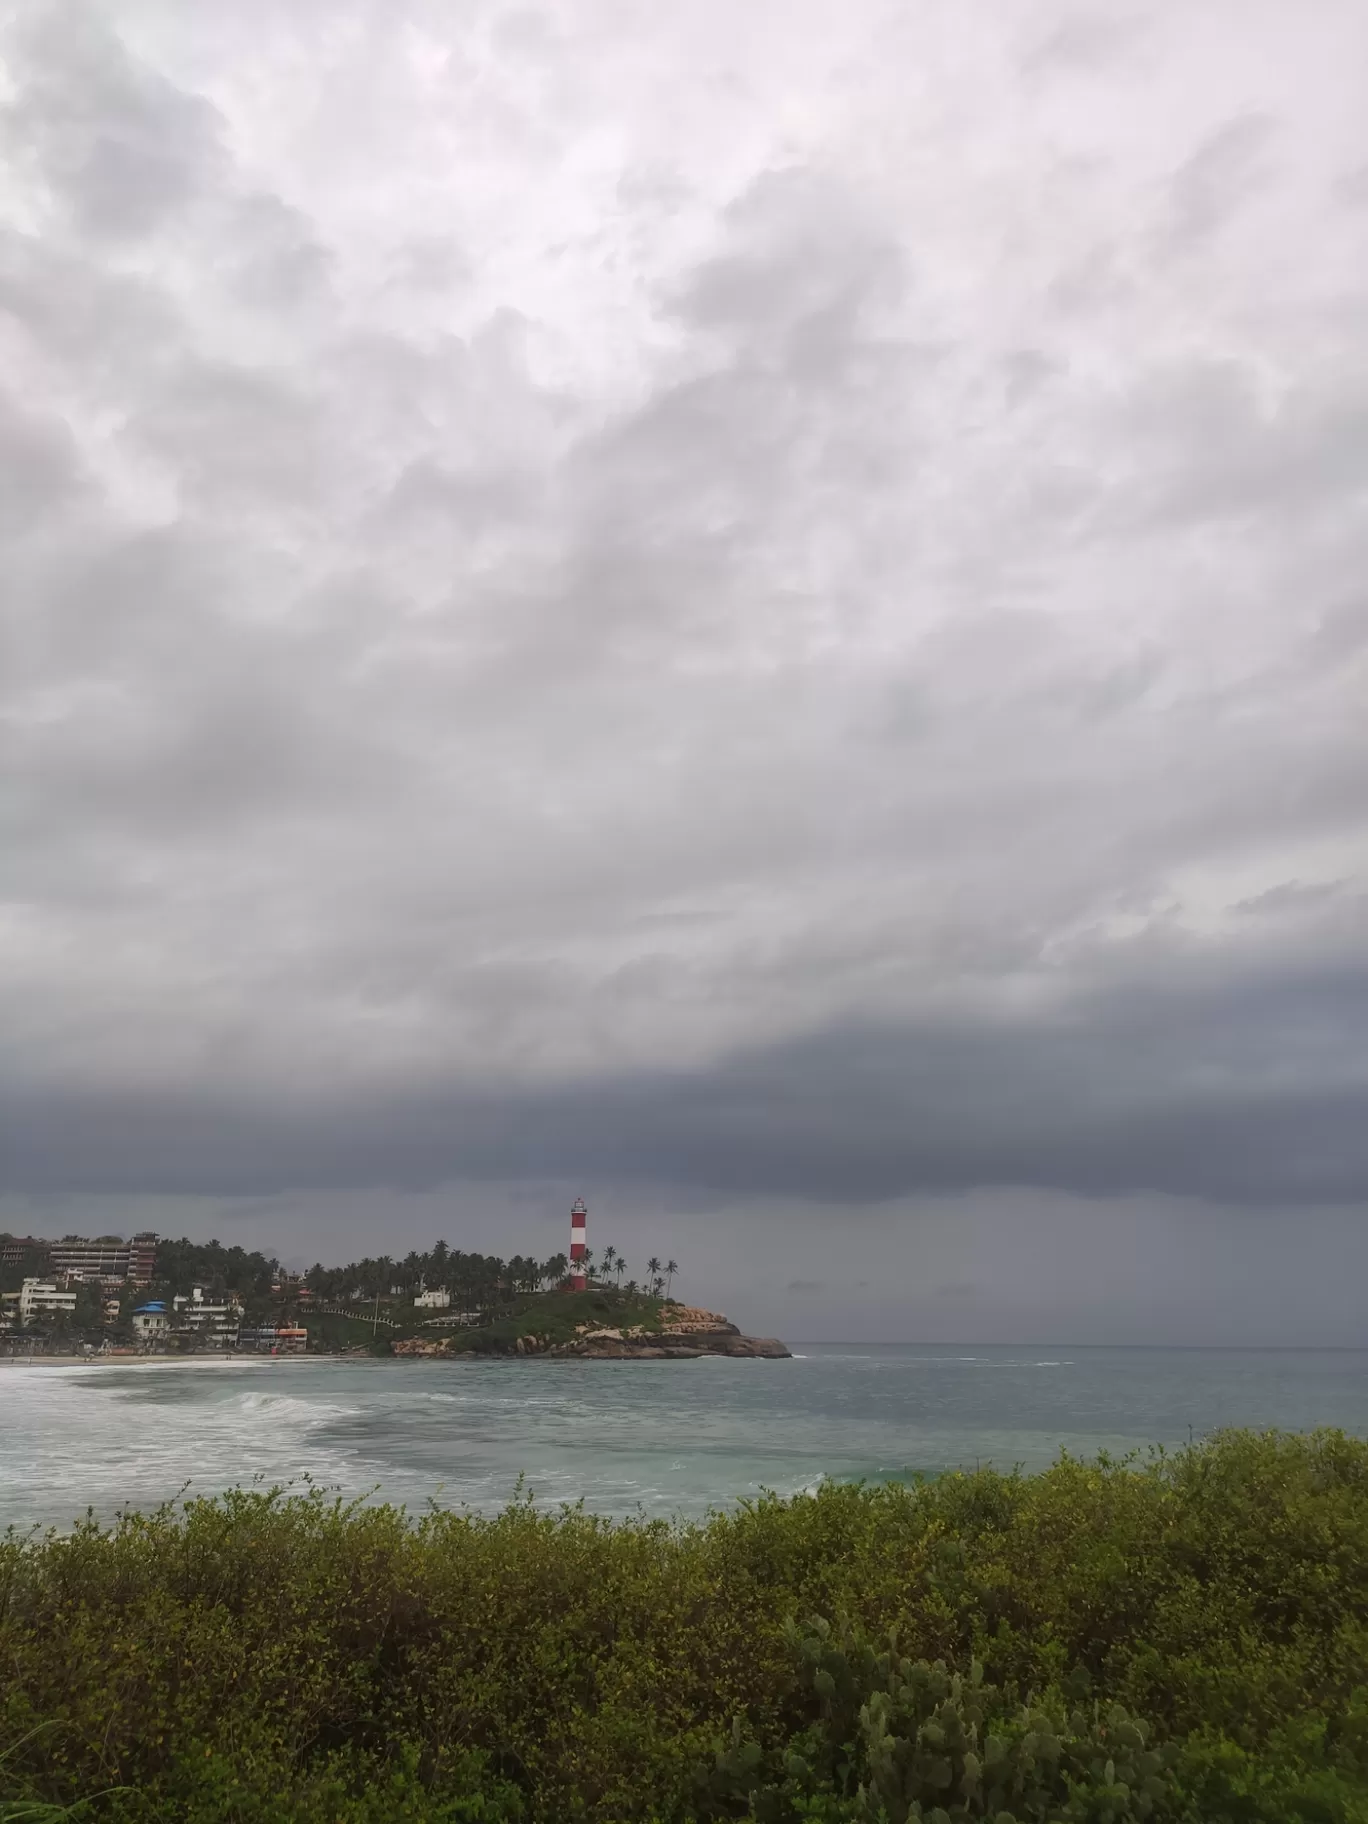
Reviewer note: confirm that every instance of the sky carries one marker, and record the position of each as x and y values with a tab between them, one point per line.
759	613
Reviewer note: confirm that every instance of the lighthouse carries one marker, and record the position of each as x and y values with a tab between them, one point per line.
579	1217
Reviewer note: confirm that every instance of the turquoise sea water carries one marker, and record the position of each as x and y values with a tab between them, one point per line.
663	1437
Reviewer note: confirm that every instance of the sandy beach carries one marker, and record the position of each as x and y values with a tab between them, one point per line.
163	1361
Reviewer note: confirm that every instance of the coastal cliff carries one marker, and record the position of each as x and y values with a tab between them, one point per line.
679	1333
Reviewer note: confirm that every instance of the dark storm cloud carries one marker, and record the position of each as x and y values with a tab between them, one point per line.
771	613
1236	1091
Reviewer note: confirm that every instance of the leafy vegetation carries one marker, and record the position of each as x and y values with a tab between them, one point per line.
345	1307
184	1264
1184	1640
477	1282
556	1317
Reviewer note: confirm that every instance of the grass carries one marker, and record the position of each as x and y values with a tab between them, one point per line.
1184	1639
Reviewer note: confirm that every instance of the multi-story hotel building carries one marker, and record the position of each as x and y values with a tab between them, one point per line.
107	1257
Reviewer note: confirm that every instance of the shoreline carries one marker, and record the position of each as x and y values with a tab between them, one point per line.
606	1326
168	1361
378	1361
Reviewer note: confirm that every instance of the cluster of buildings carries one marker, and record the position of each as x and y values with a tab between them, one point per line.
213	1323
205	1320
108	1265
58	1272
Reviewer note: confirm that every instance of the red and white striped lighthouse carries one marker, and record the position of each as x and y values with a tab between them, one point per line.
579	1218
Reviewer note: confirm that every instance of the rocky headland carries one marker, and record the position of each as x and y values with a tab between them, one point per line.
684	1333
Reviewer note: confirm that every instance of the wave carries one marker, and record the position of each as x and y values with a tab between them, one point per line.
284	1406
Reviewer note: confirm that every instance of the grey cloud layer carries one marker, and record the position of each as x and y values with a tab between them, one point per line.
779	611
1237	1092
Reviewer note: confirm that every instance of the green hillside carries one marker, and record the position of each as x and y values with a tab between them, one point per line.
556	1317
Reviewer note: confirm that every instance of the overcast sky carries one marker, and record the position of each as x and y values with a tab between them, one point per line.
757	611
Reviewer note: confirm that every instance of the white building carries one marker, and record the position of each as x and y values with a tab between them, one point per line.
436	1300
151	1322
217	1320
39	1297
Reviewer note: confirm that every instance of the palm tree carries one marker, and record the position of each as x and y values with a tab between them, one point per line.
671	1268
653	1269
620	1269
609	1256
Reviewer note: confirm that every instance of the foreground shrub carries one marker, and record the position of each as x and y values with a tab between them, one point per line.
1184	1639
897	1740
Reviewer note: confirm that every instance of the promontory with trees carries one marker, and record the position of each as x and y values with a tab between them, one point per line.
442	1302
448	1302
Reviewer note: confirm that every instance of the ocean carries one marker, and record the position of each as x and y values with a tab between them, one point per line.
660	1438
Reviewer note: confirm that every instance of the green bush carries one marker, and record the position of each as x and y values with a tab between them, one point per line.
1184	1639
897	1739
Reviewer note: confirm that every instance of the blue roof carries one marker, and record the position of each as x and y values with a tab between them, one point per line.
156	1305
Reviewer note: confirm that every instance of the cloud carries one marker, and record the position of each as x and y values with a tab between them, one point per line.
279	259
234	435
1082	42
1239	1091
115	142
675	605
1291	896
1218	178
40	469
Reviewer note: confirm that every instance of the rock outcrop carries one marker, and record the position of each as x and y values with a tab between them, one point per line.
685	1335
